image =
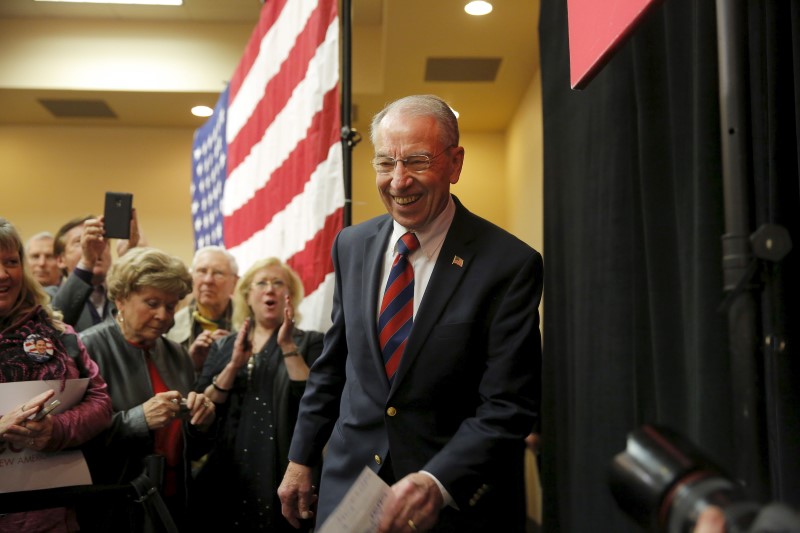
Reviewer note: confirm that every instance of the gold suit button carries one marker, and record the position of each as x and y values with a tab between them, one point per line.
391	411
377	458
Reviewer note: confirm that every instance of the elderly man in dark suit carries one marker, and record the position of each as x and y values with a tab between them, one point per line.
430	373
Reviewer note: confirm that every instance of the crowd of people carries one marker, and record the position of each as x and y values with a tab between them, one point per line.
429	374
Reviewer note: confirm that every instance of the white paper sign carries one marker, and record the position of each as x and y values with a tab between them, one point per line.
27	469
360	510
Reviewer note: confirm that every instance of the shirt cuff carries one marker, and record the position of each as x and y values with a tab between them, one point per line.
448	500
84	274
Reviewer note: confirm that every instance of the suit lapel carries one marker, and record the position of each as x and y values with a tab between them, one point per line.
451	266
374	247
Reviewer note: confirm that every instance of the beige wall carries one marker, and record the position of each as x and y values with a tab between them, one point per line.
118	55
525	169
50	175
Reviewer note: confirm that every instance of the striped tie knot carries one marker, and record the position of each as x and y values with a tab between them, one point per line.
397	307
407	244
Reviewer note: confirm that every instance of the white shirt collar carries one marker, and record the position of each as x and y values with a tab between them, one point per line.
432	236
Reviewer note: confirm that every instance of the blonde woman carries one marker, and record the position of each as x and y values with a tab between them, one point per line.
257	377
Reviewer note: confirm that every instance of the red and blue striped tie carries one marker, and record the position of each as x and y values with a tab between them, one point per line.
397	307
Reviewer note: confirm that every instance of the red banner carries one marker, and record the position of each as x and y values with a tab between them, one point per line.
596	30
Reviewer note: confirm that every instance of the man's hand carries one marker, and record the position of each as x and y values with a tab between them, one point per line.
199	349
534	442
297	494
93	244
415	507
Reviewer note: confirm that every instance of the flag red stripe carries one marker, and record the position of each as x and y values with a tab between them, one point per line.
280	88
314	262
289	179
269	14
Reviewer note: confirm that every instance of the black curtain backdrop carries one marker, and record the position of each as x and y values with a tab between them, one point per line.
634	216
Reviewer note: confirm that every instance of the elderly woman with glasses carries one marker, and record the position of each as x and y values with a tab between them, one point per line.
257	377
150	381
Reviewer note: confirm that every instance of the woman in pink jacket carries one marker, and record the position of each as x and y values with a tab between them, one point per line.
36	346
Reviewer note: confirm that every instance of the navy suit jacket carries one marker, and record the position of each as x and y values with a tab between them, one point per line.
466	392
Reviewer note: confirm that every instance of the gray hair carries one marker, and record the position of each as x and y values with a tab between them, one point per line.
426	105
40	236
219	249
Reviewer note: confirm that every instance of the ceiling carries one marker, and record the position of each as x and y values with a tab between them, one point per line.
417	39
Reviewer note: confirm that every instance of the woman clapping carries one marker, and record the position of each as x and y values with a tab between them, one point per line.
257	376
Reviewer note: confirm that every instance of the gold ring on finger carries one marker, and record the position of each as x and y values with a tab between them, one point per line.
412	525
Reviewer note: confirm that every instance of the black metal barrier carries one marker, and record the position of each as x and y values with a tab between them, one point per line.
143	490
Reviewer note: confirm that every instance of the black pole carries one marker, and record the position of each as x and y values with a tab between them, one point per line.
349	135
737	256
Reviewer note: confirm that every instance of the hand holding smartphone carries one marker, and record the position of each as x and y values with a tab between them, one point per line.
46	410
183	409
117	215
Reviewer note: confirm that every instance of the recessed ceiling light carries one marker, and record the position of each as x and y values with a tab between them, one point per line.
133	2
202	111
479	7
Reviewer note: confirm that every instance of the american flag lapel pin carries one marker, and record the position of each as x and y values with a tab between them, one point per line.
458	261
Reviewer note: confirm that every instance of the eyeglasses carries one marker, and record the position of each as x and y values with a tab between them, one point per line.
276	284
216	275
413	163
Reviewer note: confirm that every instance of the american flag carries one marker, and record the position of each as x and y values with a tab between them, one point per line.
267	167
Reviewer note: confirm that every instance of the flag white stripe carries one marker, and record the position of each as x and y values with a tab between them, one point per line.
275	47
316	307
303	217
289	127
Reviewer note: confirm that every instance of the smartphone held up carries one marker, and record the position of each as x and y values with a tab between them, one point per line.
117	215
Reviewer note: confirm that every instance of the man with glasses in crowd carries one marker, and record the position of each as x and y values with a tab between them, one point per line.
434	382
208	317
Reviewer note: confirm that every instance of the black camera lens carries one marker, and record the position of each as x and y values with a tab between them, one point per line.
663	482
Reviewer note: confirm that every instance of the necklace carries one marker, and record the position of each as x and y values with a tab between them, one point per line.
251	364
